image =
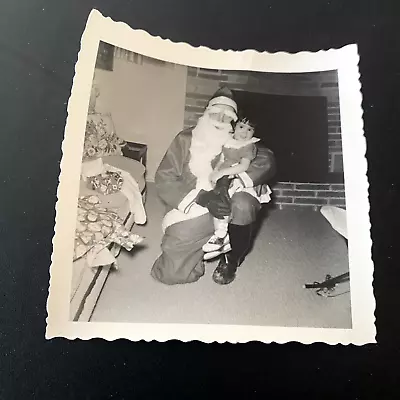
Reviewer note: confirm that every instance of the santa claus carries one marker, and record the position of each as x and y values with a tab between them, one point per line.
183	178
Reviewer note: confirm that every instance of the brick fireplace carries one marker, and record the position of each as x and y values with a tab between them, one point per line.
291	194
202	83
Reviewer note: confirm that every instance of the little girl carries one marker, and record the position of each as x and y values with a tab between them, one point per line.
237	154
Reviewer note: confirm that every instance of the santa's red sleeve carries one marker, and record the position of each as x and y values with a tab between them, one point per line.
175	185
261	169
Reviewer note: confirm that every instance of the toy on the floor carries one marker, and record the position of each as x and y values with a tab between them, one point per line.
338	220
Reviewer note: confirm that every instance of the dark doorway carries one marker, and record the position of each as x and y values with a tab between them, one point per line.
295	128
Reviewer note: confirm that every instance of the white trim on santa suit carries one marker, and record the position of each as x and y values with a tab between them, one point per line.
208	138
233	143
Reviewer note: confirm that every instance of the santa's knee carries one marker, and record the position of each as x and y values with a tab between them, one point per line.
245	208
190	230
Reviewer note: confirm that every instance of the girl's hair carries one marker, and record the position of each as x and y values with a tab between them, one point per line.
246	121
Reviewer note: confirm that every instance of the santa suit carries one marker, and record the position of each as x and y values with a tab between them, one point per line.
187	226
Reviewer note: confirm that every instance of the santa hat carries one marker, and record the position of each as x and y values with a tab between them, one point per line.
223	96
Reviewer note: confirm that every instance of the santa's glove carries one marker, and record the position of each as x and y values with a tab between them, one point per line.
212	201
222	189
219	209
204	197
223	184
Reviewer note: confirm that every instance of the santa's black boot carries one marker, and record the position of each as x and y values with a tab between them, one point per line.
240	238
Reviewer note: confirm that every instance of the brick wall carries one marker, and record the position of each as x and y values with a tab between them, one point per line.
202	84
290	194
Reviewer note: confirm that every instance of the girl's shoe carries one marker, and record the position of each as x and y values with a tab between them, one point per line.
213	244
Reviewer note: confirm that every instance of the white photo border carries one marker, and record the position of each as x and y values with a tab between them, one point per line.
345	60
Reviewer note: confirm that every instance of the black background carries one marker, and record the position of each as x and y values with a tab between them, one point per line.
295	128
39	42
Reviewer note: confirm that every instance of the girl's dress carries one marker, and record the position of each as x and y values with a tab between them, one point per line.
232	153
235	150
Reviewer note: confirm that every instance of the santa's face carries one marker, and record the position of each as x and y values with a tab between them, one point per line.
212	131
221	116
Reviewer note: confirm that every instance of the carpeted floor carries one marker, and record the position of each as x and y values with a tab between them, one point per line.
293	247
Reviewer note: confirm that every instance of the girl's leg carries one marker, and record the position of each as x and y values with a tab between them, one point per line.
221	227
244	212
217	240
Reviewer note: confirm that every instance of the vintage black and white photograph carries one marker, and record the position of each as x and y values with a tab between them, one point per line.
218	197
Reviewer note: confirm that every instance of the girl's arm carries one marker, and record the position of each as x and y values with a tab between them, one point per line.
261	170
236	169
220	162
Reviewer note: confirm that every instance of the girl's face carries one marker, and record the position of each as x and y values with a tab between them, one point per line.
243	131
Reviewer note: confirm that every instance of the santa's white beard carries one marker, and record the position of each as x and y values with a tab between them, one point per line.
207	142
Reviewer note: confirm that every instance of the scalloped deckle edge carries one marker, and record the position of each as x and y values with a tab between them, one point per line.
345	60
